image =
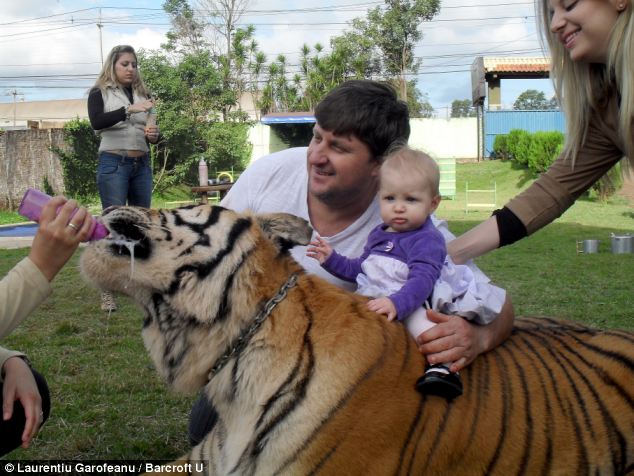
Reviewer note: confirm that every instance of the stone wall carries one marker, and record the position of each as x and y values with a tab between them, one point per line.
26	160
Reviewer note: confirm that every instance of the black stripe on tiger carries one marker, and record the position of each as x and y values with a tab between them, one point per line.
199	228
224	309
341	404
164	225
605	412
176	347
616	356
537	362
567	405
528	417
505	416
204	269
288	397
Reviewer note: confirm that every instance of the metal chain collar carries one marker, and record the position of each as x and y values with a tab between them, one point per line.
243	339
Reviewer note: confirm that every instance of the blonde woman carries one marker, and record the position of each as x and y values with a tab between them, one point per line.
118	108
592	48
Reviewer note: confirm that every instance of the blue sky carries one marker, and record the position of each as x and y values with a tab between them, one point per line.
50	49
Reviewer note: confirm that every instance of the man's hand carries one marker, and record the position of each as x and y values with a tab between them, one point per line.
383	305
19	384
456	340
319	249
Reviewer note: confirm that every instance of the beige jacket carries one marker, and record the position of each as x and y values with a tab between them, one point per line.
558	188
22	290
124	135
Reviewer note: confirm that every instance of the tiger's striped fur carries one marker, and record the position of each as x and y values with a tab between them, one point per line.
327	387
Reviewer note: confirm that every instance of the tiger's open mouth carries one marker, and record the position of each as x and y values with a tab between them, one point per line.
127	238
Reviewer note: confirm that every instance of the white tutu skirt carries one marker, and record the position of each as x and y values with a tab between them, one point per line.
461	290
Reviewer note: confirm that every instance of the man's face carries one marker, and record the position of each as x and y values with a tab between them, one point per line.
340	168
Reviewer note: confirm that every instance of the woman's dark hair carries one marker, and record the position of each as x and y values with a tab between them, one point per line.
369	110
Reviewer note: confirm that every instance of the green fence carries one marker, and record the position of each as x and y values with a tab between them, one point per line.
447	168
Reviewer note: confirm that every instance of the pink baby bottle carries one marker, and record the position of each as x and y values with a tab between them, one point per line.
33	202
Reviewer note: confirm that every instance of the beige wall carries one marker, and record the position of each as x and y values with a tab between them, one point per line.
455	138
25	160
25	156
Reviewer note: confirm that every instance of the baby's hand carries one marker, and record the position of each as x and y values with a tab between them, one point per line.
383	305
319	249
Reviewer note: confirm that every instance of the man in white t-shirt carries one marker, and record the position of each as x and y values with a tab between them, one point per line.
333	184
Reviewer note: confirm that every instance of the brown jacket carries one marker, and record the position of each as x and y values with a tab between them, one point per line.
558	188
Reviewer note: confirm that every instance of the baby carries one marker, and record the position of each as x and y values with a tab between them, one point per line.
403	257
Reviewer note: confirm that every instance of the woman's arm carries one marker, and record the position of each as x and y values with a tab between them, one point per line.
479	240
456	340
98	118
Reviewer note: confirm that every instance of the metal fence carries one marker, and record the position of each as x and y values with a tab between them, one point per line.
501	122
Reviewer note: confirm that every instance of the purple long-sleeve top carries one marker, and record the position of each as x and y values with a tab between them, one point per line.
423	251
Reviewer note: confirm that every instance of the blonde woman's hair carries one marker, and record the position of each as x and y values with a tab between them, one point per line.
411	162
108	78
582	86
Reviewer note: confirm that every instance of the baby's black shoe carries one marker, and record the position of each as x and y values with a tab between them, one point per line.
438	380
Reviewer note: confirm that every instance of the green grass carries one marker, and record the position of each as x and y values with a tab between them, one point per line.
174	197
108	402
7	218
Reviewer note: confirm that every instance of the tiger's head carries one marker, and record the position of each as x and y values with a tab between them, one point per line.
182	267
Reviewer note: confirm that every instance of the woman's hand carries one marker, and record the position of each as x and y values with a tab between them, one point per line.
58	236
456	340
19	384
141	106
152	134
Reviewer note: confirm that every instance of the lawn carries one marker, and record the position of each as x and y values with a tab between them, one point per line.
108	402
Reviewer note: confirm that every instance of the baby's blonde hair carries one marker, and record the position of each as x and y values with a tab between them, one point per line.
411	162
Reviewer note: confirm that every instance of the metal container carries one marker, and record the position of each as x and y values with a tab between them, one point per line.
588	246
622	244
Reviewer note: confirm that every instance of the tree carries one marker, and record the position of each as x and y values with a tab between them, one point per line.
418	103
190	100
228	13
394	29
462	108
531	100
186	35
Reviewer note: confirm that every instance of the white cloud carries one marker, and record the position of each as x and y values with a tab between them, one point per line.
60	44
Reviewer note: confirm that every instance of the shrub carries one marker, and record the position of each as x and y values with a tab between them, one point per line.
79	162
500	147
544	149
537	152
518	145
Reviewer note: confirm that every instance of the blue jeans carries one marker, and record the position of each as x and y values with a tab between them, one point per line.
122	179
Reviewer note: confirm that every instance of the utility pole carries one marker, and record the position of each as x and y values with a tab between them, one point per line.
14	93
100	26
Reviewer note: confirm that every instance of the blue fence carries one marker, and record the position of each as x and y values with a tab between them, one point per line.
501	122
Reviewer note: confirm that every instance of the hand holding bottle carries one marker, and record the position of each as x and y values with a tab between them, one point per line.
62	227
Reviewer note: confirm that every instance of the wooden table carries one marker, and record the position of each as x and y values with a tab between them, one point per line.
221	188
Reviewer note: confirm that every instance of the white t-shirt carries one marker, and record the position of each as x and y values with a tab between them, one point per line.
279	183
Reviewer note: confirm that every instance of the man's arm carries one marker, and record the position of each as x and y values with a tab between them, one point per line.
456	340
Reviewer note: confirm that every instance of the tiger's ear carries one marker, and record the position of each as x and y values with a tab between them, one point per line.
285	230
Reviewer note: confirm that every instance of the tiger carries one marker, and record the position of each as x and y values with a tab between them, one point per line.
306	380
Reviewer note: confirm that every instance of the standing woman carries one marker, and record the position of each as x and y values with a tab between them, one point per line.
118	106
592	49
